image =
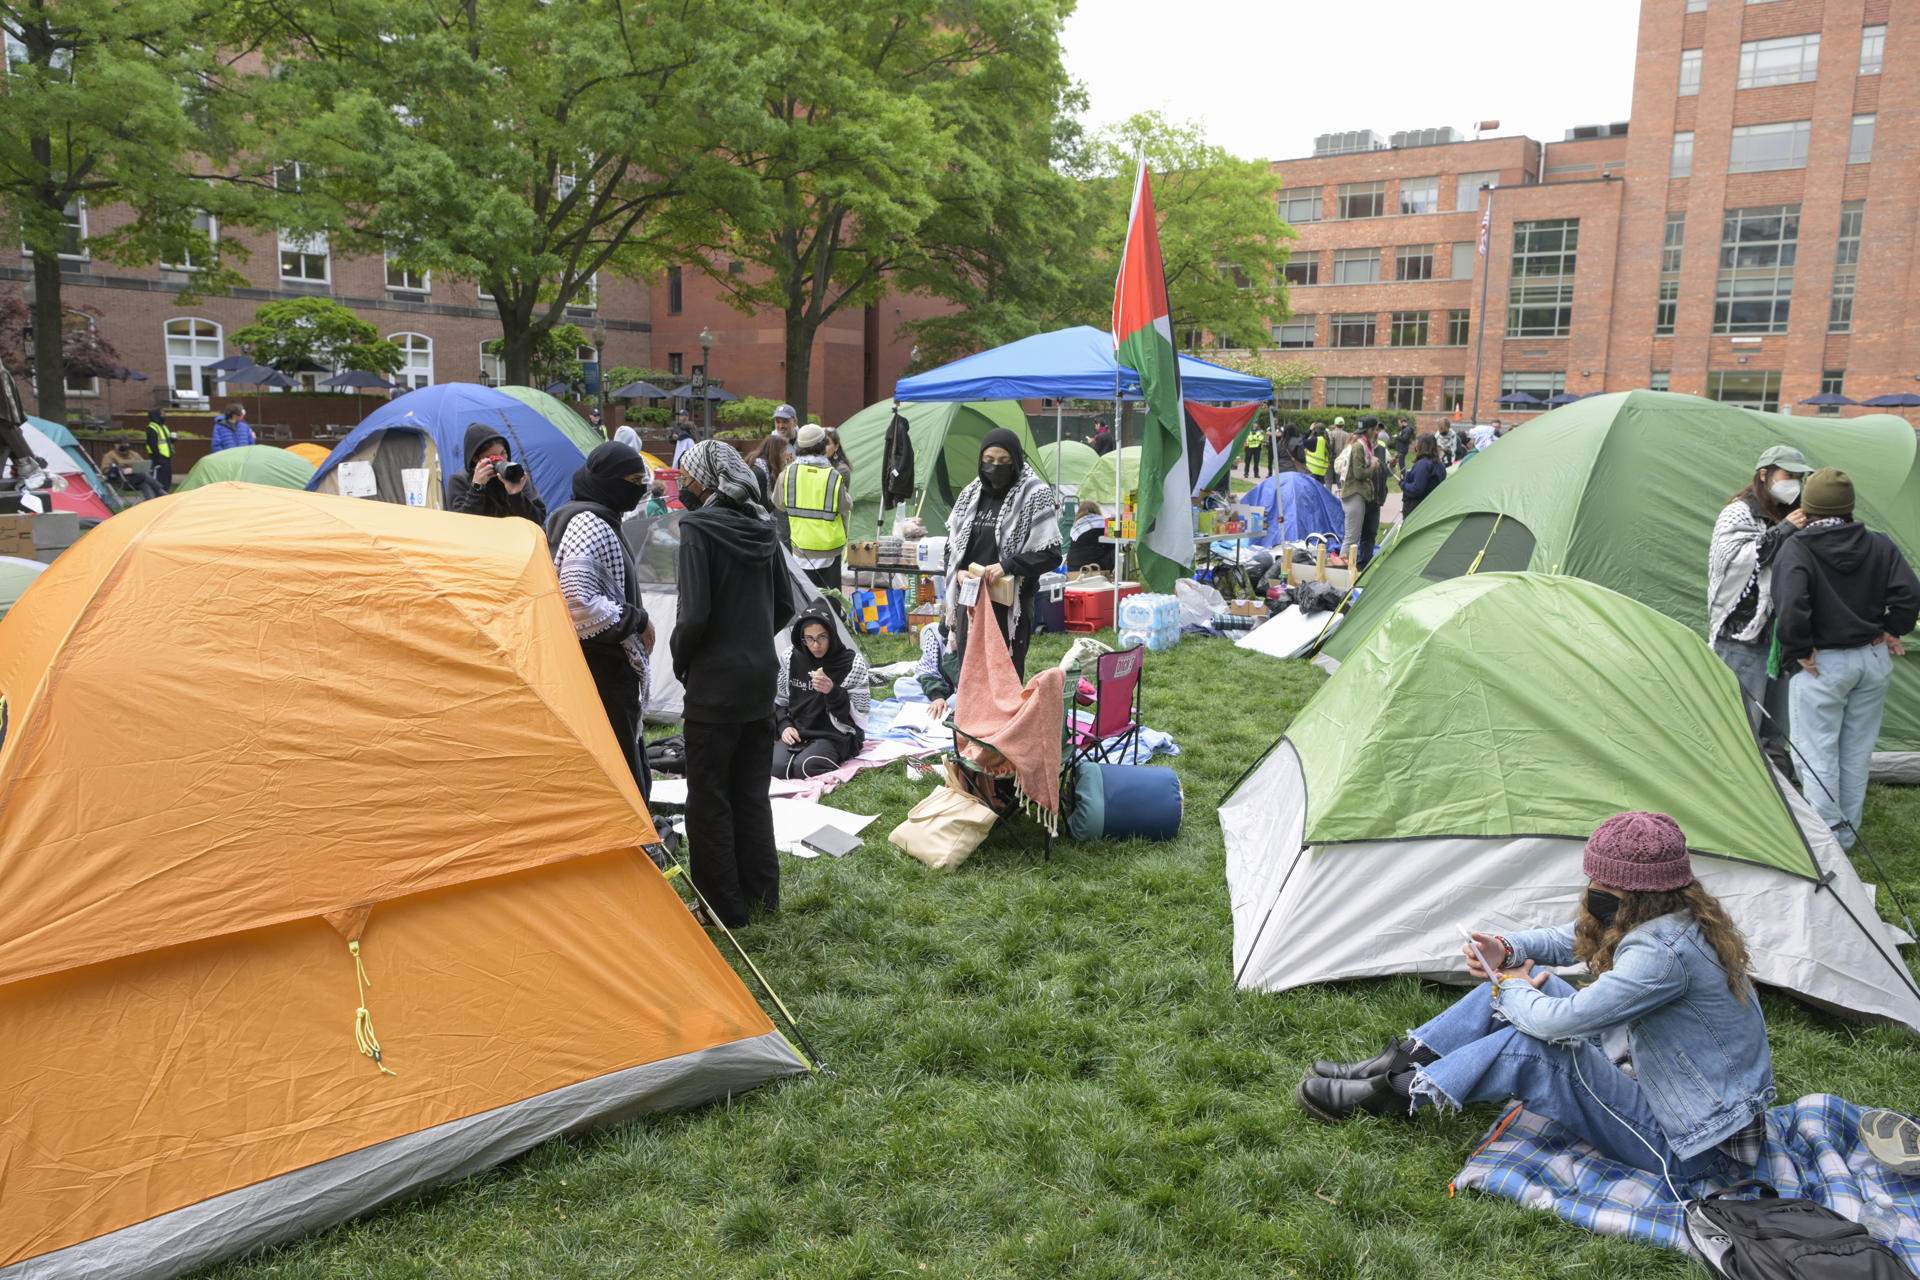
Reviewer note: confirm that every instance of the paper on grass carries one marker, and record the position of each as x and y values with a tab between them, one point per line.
1288	634
795	820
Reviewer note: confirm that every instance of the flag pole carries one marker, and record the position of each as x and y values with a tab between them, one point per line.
1480	329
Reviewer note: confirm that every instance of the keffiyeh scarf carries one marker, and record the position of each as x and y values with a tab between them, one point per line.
1028	521
719	468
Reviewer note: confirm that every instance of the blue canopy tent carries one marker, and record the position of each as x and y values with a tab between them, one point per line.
426	430
1069	364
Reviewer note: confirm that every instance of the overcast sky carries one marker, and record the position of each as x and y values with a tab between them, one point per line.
1265	76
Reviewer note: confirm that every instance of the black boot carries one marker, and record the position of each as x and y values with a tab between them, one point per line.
1397	1056
1333	1101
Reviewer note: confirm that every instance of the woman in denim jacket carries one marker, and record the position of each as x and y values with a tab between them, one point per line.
1671	991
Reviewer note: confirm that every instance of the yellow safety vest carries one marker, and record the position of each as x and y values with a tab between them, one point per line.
163	436
811	495
1318	457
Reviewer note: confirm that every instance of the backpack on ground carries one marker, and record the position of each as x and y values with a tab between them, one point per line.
1776	1239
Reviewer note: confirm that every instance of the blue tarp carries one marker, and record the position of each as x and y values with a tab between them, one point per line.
444	411
1069	364
1304	503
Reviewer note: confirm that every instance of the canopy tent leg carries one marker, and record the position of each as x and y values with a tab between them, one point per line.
1058	408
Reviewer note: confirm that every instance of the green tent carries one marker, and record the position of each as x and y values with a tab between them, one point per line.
16	575
1074	459
946	454
253	463
1097	483
1452	768
572	425
1623	490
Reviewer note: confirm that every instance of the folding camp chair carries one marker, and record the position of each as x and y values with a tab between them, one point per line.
1111	712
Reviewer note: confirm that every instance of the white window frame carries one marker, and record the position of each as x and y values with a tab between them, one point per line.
78	224
1470	184
1310	197
1356	257
1286	341
412	374
303	247
1860	140
1691	61
1798	135
1680	161
186	262
493	368
1873	49
195	360
89	386
407	276
1787	70
1415	187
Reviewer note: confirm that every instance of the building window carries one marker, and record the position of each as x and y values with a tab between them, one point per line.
1300	204
1860	141
1230	272
304	259
1786	60
1363	199
73	231
1295	334
674	361
1759	147
1408	329
1660	380
1413	262
82	384
1297	397
493	368
1540	298
1846	267
1689	72
1453	393
192	345
416	359
1748	390
1356	266
1696	6
1832	383
1304	269
1680	165
1541	386
402	279
1350	393
1466	192
1419	195
1757	250
1463	260
195	255
676	296
1355	330
1459	328
1667	309
1873	49
1409	394
587	296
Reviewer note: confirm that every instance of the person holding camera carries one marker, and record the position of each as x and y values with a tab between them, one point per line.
495	483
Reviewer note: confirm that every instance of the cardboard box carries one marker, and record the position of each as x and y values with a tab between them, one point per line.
862	555
1247	608
16	535
921	616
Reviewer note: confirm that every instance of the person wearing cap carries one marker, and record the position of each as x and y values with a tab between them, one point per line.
787	423
1671	983
813	497
1842	598
1746	536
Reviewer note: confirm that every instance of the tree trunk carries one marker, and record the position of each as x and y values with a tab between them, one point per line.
516	353
800	335
49	352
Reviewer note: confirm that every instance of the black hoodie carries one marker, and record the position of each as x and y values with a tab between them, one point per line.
1840	587
734	595
491	498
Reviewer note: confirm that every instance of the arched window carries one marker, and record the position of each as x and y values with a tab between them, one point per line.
416	359
493	368
192	345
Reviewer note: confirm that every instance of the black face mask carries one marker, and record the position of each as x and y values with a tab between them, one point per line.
1602	906
996	475
690	500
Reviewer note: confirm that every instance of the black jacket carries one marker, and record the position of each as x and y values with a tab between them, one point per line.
1422	478
1840	587
734	594
492	498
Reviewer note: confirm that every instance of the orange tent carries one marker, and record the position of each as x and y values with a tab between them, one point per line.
314	453
363	780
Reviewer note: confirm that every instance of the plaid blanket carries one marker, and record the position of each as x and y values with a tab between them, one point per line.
1813	1151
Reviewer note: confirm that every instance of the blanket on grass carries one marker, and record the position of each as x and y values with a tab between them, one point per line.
1813	1152
1010	730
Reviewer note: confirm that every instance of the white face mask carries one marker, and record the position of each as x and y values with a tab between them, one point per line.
1786	492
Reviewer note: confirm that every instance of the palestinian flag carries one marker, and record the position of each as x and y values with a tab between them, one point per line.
1214	437
1143	342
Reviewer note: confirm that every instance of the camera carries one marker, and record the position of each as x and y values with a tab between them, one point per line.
510	472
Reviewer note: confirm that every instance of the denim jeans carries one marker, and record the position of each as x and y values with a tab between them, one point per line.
1835	722
1482	1059
1748	661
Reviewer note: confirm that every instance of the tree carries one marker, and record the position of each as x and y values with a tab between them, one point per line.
113	104
531	146
908	146
1221	236
84	350
301	334
555	358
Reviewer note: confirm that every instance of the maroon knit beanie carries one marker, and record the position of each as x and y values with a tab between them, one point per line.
1638	852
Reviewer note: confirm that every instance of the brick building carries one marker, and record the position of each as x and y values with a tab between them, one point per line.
1747	236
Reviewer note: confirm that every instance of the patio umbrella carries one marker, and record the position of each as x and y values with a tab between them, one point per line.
1898	400
1564	397
1826	398
712	393
358	378
1520	400
639	391
558	389
258	376
230	363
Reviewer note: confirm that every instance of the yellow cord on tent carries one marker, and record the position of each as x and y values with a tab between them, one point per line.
1475	566
363	1020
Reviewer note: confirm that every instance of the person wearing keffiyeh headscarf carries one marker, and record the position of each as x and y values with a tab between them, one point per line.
1008	521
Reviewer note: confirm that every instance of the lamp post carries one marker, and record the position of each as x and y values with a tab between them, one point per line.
600	366
702	383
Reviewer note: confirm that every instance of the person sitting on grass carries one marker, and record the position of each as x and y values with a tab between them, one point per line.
938	670
820	705
1671	987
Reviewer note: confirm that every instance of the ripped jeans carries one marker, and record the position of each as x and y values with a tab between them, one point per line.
1482	1059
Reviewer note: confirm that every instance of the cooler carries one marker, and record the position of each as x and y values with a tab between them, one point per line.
1090	608
1050	604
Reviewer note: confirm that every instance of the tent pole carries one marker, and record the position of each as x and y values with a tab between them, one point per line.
1058	406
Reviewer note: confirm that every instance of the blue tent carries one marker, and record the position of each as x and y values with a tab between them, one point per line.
1297	505
395	436
1069	364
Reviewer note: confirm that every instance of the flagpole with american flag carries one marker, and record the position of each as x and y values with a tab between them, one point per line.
1480	326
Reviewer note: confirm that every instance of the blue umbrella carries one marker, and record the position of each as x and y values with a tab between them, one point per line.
358	378
558	389
639	391
1520	400
1829	398
1898	400
259	376
1564	397
230	363
711	393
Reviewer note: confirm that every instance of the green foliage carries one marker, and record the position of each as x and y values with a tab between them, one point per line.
301	333
620	375
554	357
1280	370
747	411
1304	418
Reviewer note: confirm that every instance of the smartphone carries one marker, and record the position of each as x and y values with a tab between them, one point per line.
1486	961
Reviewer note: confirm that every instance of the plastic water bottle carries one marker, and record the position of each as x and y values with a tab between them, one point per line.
1881	1220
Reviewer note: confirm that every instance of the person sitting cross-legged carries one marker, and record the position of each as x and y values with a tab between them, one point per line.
1671	989
820	705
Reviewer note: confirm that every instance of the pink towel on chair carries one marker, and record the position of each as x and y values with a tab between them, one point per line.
1021	727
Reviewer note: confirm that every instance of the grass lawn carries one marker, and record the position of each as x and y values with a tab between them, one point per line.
1042	1069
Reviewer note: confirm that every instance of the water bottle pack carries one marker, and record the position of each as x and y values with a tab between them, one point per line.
1150	620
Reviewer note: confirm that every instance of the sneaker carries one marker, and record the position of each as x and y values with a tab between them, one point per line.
1893	1140
36	478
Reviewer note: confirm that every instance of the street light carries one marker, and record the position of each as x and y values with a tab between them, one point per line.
600	366
701	384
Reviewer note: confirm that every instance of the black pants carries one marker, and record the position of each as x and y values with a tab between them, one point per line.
1369	535
730	818
147	485
619	688
826	578
813	757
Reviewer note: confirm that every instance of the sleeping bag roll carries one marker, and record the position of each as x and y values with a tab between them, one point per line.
1124	802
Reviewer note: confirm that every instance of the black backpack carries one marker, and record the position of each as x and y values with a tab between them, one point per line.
1775	1239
